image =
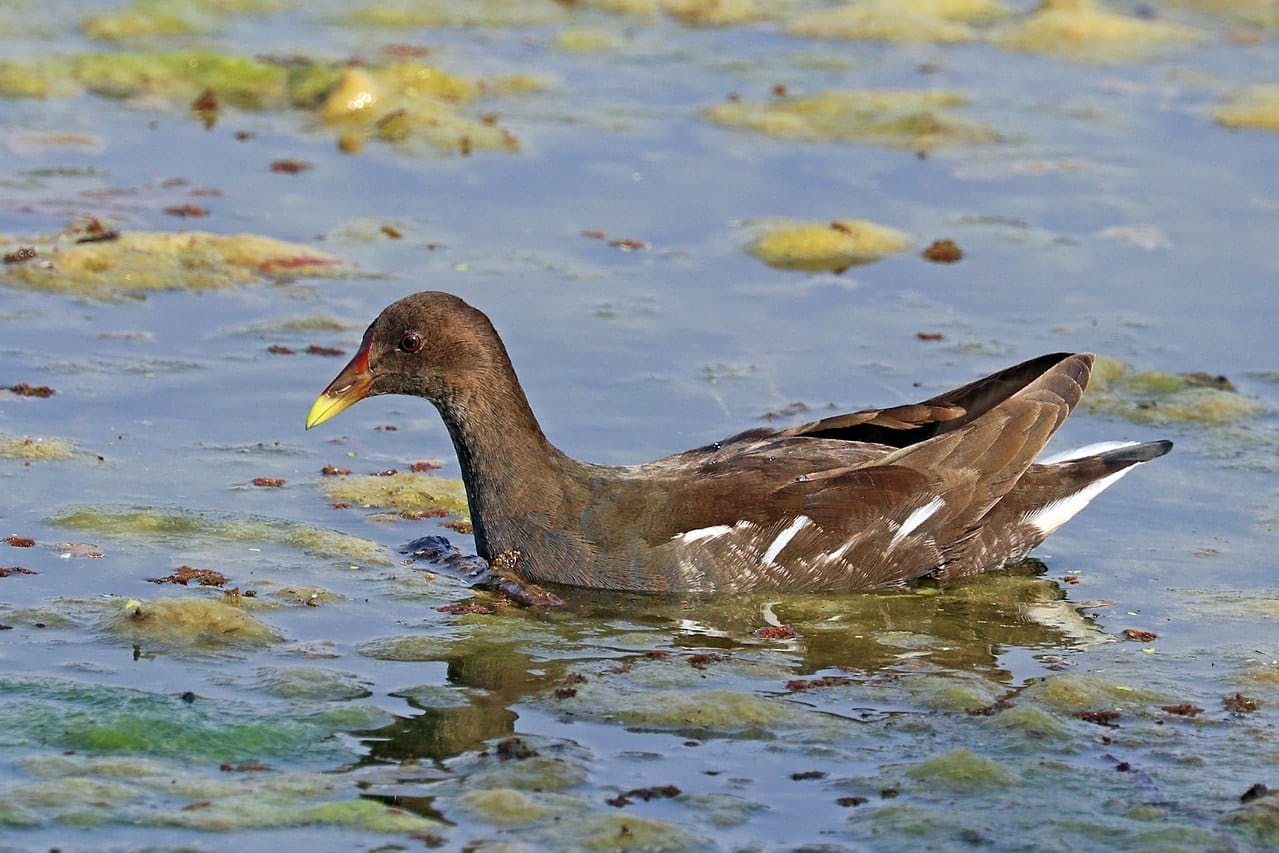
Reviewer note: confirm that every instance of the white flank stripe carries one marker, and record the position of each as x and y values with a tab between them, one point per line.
1081	452
1052	515
916	518
703	533
783	539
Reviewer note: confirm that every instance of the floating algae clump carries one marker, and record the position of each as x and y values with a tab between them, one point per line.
962	770
399	101
1154	397
151	18
399	14
826	245
179	526
680	709
894	118
138	261
193	620
1256	108
942	21
1082	29
504	806
36	449
407	493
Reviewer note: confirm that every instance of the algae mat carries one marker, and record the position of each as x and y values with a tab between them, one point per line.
687	219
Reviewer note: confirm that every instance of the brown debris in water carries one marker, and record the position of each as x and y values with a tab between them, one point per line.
989	710
1239	703
930	337
775	632
23	389
1184	709
185	574
471	607
289	167
1139	635
392	232
1256	792
656	792
943	252
19	541
851	801
316	349
279	349
334	471
268	482
17	256
514	748
425	465
245	767
798	685
1103	717
6	571
701	661
628	244
187	210
805	775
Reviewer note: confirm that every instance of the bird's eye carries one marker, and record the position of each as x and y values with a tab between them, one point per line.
411	342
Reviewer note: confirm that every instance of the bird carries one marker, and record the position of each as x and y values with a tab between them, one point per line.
948	487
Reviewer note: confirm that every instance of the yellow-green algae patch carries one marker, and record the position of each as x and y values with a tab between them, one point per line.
159	18
1260	818
621	832
679	709
1086	30
790	244
37	449
105	719
905	21
194	620
1155	397
139	261
1256	108
1072	692
400	492
588	40
896	118
179	526
502	806
721	13
399	101
411	14
962	770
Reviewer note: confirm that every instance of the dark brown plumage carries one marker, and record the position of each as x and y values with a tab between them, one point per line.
947	487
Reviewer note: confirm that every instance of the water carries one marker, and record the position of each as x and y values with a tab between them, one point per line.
374	718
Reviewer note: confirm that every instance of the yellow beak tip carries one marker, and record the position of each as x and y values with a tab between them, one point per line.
324	408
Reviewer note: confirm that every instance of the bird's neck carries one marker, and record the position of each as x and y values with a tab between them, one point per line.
516	480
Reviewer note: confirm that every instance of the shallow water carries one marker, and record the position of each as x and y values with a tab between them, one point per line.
1113	215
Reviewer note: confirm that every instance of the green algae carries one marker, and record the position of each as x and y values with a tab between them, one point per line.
1255	108
82	717
1155	397
403	492
911	21
1070	692
310	683
721	710
1086	30
413	647
1032	722
176	525
502	806
405	101
834	245
136	262
412	14
588	40
38	449
893	118
143	19
950	693
962	770
188	621
620	832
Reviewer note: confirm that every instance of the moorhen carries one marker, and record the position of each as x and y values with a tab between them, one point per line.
947	487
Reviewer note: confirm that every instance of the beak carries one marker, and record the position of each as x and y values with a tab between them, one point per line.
350	387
